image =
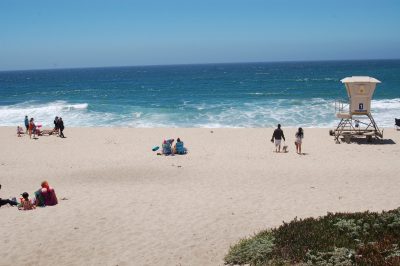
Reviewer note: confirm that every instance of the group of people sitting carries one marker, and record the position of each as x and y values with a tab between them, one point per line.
35	130
169	149
45	196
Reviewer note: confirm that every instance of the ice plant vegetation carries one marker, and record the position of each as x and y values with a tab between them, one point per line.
362	238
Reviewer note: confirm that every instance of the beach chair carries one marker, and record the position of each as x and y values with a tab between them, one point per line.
166	148
397	123
179	148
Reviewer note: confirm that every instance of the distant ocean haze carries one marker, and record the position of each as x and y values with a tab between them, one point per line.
215	95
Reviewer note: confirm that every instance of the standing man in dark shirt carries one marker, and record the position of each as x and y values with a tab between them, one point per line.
7	201
56	124
26	123
278	136
61	127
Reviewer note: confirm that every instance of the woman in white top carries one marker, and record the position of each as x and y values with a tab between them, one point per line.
299	139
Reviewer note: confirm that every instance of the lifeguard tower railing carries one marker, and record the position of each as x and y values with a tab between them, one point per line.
341	106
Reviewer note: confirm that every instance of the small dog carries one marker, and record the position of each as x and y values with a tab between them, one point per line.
285	148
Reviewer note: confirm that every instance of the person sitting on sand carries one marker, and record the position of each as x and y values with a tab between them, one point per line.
7	201
299	139
39	199
166	147
47	132
38	132
179	148
46	196
26	204
278	136
20	131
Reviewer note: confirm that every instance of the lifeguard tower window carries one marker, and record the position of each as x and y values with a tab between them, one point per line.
360	90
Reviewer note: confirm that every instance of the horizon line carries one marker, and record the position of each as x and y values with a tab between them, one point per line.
199	64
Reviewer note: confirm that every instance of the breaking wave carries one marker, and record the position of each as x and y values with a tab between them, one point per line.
315	112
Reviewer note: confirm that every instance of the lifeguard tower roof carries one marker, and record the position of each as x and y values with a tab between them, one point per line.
360	79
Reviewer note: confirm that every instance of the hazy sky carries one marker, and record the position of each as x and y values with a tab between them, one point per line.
59	34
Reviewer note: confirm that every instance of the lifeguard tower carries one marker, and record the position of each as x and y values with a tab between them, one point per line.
356	119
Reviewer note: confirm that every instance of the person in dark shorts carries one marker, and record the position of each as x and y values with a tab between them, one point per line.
61	127
278	136
26	123
56	124
7	201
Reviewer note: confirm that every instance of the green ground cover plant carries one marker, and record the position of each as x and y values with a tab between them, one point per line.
362	238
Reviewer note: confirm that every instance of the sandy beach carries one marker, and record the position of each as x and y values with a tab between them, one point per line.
124	205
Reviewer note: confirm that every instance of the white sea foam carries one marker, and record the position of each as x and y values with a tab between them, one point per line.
82	106
43	113
314	112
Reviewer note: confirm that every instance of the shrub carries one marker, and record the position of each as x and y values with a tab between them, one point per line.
364	238
253	251
337	257
384	252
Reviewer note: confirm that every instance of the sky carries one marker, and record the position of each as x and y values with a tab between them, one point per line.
44	34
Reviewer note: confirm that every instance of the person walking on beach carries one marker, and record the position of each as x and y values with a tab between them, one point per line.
278	136
7	201
26	123
299	139
61	127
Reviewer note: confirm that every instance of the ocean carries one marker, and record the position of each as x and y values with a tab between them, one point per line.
209	95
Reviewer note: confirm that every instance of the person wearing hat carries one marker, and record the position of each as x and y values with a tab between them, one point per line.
26	203
7	201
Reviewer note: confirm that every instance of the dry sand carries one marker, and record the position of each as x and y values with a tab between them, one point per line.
127	206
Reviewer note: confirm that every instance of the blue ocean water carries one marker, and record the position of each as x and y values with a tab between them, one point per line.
211	95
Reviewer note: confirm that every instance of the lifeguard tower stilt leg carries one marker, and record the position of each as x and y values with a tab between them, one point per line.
377	132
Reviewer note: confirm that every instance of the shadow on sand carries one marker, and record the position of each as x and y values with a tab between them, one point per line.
363	141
